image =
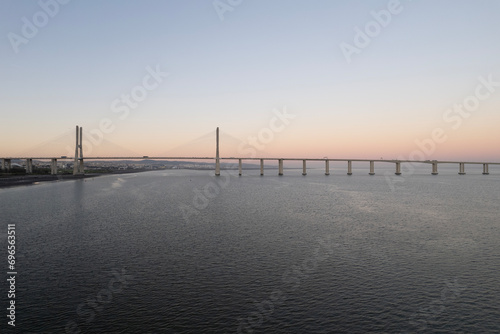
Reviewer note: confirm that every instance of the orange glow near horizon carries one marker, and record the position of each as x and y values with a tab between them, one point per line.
469	148
302	138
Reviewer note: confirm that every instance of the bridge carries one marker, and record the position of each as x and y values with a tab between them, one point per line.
78	167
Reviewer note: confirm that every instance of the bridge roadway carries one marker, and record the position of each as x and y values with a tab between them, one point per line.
6	162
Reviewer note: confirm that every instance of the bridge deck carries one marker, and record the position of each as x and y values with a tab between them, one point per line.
246	158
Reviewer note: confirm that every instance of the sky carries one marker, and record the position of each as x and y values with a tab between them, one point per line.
284	78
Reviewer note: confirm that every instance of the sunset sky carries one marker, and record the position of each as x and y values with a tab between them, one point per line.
282	78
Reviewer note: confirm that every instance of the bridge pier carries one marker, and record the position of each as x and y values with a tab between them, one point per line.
29	166
53	167
217	159
240	167
81	168
372	168
485	169
434	168
261	167
327	167
78	167
6	165
304	172
398	168
461	168
280	167
349	167
217	166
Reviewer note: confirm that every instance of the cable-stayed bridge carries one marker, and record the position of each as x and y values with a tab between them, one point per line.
78	158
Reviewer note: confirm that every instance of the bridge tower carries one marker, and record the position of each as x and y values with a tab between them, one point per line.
217	158
78	167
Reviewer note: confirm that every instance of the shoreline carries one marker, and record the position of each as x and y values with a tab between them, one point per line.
27	180
10	181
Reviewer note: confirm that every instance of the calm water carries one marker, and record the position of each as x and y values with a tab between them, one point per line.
185	252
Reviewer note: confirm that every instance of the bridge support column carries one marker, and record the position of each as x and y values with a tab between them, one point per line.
327	167
7	164
53	167
280	167
217	159
81	167
217	167
240	167
398	168
304	171
372	168
434	168
261	167
78	167
461	168
485	169
29	166
349	167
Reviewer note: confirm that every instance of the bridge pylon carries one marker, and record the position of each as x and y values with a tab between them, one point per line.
217	158
78	167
